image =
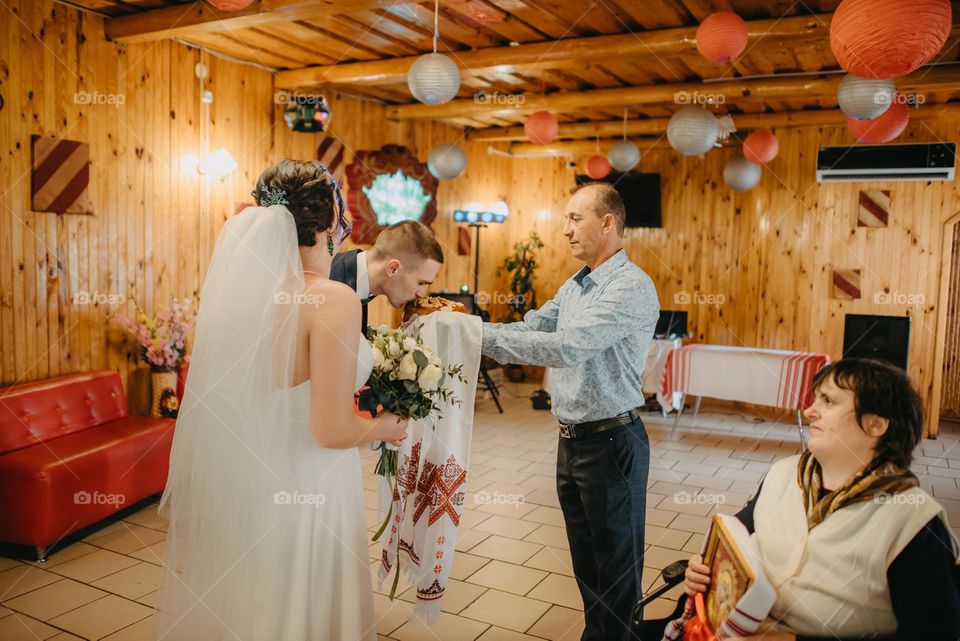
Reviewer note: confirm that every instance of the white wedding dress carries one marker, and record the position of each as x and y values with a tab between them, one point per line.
331	596
267	538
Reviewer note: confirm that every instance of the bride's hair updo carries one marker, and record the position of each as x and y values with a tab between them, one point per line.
308	190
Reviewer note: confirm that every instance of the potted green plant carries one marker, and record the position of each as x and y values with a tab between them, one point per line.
520	267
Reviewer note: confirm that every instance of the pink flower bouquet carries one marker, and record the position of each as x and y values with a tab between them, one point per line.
163	337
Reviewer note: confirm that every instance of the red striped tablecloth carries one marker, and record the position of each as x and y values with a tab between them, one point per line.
779	378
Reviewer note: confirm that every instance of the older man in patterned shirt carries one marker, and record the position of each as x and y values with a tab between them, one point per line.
594	335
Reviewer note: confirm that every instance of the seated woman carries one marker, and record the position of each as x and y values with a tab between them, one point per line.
851	544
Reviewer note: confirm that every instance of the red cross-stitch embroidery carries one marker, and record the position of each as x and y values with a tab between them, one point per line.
447	496
407	473
422	500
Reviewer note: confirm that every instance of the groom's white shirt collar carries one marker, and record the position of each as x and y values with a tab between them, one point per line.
363	280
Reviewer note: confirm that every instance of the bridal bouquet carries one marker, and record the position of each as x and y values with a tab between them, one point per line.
407	379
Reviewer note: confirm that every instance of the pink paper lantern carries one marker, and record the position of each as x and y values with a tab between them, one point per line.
231	5
598	167
541	127
883	128
722	36
883	39
760	147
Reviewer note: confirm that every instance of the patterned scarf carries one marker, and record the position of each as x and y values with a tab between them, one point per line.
884	479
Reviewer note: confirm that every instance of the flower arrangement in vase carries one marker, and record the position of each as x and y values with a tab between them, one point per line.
163	345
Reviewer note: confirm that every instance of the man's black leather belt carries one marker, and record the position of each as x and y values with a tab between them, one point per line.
579	430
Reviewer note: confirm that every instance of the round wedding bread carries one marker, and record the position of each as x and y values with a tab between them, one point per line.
431	304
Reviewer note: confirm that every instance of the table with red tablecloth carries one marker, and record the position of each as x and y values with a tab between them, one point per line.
779	378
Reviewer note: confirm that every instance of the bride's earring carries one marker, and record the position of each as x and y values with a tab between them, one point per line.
330	247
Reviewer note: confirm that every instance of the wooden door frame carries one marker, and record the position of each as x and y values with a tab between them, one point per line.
939	346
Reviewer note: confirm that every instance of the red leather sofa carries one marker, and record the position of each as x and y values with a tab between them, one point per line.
71	456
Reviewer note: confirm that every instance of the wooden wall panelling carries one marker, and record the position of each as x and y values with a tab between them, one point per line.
949	331
768	251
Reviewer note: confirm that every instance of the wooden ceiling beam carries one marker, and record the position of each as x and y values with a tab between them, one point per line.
614	128
578	147
556	54
183	21
736	90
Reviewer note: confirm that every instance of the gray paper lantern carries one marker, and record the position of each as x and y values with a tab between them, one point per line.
693	131
433	79
623	155
864	98
446	161
741	174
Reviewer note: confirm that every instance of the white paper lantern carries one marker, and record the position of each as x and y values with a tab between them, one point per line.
692	131
446	161
741	174
864	98
433	79
623	155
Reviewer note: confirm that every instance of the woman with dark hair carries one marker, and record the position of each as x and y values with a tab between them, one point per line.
852	546
267	536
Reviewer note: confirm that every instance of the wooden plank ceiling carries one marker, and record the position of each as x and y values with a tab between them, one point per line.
586	61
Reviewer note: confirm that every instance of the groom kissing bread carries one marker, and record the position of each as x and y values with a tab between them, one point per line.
401	265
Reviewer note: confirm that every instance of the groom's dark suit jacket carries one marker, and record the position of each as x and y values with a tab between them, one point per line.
344	269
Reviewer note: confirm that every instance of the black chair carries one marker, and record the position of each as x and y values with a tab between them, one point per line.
485	383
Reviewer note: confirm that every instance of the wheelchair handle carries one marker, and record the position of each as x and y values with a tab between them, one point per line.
672	575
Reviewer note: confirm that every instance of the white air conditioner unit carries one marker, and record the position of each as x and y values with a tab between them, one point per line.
887	163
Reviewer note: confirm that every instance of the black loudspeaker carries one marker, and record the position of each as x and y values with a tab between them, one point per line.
671	324
884	338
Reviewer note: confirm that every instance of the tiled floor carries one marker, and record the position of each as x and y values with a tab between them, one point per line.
511	579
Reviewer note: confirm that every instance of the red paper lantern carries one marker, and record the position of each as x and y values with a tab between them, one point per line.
760	147
883	128
541	127
598	167
231	5
722	36
883	39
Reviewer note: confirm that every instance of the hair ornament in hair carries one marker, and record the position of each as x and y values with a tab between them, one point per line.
273	197
337	185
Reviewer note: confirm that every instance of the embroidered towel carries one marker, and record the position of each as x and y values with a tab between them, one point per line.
432	472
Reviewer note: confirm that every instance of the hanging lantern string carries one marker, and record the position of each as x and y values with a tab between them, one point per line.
624	124
597	141
436	24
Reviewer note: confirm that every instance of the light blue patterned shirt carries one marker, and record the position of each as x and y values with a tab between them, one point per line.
594	335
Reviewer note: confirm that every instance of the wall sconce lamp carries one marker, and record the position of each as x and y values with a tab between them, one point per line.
219	164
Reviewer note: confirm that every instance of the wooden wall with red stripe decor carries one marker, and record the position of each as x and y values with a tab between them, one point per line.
154	224
770	252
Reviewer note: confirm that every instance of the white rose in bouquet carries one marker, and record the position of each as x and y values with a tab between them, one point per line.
378	359
393	348
408	368
409	344
430	377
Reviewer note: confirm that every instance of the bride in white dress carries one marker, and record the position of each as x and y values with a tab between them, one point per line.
267	537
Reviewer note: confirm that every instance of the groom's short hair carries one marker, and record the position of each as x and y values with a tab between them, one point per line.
408	238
